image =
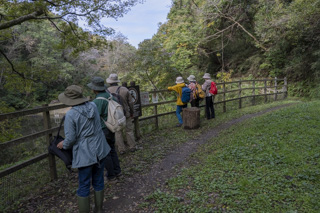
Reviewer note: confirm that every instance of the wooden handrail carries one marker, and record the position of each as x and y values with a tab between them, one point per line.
31	111
48	132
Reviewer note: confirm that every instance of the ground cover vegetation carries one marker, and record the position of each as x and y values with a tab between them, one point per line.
268	164
41	196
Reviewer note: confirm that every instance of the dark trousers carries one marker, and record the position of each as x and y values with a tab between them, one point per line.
112	164
195	103
91	174
209	108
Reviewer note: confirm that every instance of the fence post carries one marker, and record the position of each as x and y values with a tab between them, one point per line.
285	88
52	161
224	97
275	88
239	94
156	114
254	93
265	91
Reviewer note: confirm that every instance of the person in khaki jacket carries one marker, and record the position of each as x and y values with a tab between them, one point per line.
128	107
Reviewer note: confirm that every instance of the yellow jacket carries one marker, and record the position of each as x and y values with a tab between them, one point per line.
178	89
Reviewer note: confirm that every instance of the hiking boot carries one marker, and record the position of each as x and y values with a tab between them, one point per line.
179	125
112	180
84	204
98	201
119	174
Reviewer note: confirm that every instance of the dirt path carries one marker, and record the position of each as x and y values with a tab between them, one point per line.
132	191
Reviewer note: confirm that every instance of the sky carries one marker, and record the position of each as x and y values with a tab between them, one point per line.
141	22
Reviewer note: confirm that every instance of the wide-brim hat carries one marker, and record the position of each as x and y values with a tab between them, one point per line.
113	78
72	96
191	78
207	75
179	80
97	84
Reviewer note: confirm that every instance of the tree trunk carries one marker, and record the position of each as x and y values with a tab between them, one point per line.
191	118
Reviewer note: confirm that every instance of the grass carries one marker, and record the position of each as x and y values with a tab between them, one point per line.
267	164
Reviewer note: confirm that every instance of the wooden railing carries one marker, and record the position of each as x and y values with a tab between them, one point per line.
271	90
48	131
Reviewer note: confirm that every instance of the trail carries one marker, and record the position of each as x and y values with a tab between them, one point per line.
133	190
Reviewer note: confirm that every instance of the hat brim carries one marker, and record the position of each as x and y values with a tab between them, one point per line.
110	81
97	88
191	79
179	82
71	102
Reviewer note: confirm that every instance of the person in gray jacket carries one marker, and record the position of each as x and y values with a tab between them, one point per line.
83	134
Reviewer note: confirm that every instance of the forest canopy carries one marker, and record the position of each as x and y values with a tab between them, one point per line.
43	48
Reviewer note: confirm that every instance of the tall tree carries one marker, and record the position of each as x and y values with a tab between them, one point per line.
65	16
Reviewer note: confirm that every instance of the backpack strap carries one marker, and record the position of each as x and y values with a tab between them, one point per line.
118	90
62	120
103	98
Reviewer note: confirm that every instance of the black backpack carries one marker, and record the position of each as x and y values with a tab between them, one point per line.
118	98
64	154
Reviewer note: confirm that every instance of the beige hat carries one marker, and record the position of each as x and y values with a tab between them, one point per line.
113	78
72	96
191	78
207	76
179	80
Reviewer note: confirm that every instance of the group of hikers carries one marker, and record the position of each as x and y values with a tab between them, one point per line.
198	92
93	143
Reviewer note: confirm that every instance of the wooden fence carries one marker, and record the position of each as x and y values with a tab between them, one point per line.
48	131
271	90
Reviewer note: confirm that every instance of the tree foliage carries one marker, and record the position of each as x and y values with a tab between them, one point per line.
43	49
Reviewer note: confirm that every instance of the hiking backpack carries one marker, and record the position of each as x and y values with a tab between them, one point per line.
185	96
117	97
116	118
199	92
213	88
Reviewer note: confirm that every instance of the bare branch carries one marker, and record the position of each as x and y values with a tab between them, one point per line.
21	19
11	64
195	3
216	35
54	24
18	73
233	20
254	38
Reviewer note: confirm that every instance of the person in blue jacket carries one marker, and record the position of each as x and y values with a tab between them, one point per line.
83	134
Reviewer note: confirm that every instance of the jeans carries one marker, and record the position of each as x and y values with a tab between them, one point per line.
112	164
178	111
209	107
92	173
